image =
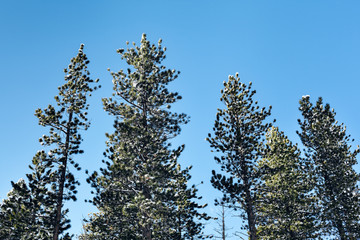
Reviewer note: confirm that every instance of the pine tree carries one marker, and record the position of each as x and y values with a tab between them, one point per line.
51	181
328	147
286	207
142	192
239	131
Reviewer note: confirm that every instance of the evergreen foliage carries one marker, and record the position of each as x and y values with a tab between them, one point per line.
38	212
328	147
16	213
239	131
142	192
286	207
29	211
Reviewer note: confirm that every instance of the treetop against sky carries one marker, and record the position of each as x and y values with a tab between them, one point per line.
286	49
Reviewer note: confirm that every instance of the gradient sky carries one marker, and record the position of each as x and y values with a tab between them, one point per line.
286	48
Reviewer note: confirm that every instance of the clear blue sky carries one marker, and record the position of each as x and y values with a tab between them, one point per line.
286	48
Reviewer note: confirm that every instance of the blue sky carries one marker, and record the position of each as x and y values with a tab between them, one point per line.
286	48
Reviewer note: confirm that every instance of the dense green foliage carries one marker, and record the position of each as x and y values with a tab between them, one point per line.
281	194
142	193
52	182
286	207
329	150
239	130
21	210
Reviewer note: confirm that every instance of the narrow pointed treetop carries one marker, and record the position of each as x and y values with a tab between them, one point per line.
52	180
239	132
328	147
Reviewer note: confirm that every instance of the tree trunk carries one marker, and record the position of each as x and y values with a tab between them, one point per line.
340	228
62	179
223	223
147	228
250	212
147	232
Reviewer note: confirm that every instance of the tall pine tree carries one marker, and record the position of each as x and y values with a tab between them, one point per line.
286	206
328	147
239	132
142	192
52	181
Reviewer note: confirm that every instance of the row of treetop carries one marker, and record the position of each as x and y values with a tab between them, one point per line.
142	192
